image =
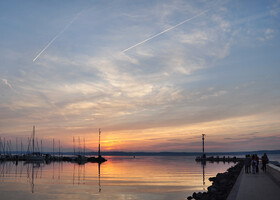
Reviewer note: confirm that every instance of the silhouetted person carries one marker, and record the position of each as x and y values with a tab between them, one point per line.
258	161
254	164
250	157
247	163
264	161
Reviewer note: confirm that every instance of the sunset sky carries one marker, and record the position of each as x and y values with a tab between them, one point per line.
152	74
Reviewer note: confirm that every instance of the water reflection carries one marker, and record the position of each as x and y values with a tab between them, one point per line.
203	164
79	173
33	171
99	177
121	178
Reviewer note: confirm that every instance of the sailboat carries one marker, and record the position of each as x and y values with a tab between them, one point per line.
79	156
34	156
99	159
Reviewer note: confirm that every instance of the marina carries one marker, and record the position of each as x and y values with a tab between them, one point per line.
33	153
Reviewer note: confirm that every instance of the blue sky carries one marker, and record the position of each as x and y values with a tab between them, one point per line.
63	69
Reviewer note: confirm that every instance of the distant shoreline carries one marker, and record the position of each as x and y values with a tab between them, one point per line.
119	153
123	153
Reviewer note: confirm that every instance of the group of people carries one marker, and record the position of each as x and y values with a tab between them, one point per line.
252	163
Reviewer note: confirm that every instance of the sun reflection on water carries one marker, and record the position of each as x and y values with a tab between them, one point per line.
139	178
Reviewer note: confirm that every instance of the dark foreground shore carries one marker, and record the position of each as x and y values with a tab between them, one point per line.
221	186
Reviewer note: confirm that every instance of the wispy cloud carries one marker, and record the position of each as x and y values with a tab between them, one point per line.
5	81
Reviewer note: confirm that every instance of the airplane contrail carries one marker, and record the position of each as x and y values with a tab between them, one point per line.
158	34
64	29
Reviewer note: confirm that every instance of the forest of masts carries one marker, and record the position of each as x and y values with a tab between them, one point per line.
8	149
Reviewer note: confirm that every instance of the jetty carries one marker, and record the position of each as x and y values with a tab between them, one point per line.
218	159
235	184
262	185
203	158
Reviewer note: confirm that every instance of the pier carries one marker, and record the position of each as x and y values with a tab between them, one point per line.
246	186
263	185
203	158
218	159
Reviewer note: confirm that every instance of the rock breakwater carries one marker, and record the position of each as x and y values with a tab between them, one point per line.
221	186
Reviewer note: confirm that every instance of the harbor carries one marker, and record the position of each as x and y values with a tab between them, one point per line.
33	153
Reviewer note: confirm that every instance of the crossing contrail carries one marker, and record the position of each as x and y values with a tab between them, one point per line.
158	34
64	29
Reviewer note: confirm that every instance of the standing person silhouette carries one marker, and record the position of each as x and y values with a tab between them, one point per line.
247	164
257	161
264	162
254	164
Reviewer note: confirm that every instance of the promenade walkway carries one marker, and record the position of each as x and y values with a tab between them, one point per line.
257	187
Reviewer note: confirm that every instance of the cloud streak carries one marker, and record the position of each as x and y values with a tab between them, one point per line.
162	32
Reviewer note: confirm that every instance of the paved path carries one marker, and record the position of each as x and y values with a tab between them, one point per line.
258	187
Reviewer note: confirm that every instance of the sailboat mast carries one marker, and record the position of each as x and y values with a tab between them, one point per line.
74	145
17	145
99	144
59	148
21	147
0	146
33	136
79	149
84	147
41	146
53	147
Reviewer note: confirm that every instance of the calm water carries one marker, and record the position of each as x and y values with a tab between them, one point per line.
144	178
